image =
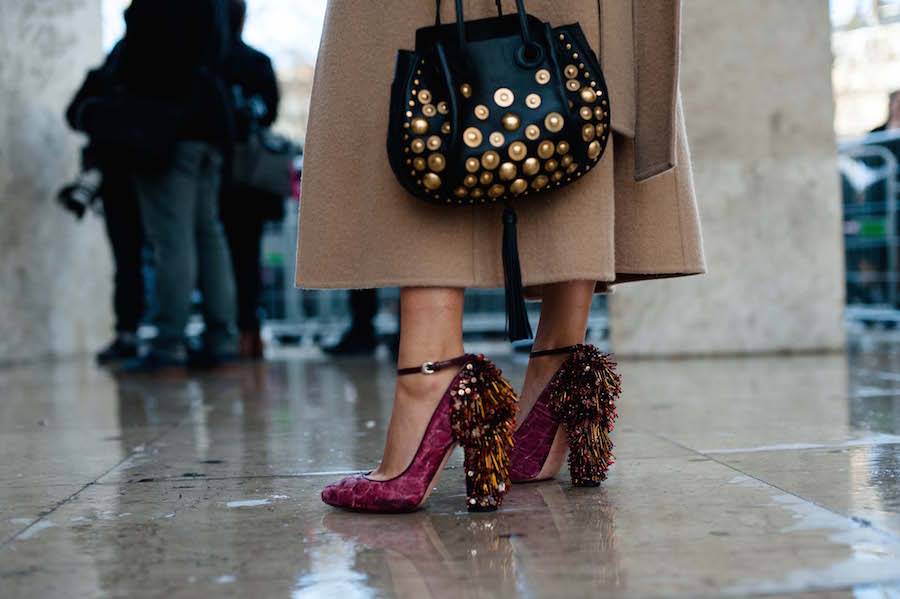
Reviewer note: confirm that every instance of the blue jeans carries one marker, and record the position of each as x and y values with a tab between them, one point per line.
180	214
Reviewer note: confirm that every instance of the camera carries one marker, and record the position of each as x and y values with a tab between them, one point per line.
84	192
80	195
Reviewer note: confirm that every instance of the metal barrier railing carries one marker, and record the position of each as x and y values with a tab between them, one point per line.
308	316
869	174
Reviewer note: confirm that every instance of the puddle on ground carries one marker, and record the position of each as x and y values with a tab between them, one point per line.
248	503
874	553
33	530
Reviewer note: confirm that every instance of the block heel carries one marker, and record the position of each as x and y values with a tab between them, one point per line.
581	397
483	408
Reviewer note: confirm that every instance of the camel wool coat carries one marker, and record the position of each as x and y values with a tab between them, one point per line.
633	217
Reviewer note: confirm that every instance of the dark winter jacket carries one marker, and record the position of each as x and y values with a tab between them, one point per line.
252	71
174	51
97	84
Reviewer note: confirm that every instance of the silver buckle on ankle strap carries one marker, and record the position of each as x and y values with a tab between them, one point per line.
427	368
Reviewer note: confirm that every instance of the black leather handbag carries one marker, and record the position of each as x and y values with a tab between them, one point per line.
496	110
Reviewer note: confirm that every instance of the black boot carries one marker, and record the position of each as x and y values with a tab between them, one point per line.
124	347
355	342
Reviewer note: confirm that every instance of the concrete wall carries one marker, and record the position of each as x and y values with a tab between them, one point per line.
756	79
54	271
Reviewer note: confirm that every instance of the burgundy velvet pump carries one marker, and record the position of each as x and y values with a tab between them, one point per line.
581	397
477	411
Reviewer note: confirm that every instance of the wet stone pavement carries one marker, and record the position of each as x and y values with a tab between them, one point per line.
775	476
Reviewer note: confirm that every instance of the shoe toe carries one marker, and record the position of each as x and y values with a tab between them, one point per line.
358	493
331	494
341	493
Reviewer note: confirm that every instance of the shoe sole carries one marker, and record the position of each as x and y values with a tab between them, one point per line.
556	457
437	475
431	485
554	463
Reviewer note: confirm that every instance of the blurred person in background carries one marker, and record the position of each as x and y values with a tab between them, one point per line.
171	69
893	120
359	339
891	124
250	79
108	179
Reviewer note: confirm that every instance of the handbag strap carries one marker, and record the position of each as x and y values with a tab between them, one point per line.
461	23
444	63
437	18
455	111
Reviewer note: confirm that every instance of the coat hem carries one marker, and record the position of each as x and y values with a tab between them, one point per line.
626	275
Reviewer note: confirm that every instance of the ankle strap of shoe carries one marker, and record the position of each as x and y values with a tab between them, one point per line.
553	352
432	367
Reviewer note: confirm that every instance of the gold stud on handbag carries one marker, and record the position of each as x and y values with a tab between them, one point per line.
496	110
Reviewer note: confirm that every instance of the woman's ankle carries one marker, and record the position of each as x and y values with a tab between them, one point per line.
426	387
410	355
416	397
557	340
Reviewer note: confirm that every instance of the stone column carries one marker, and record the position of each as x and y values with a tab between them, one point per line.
55	272
756	79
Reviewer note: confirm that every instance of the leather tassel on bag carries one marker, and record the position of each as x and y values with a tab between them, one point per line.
518	326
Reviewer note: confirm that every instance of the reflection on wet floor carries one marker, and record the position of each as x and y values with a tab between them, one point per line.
750	476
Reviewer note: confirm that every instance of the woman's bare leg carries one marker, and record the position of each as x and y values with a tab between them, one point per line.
564	315
431	332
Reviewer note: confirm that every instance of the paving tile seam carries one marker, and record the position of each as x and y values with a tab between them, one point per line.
42	515
8	485
181	479
855	519
45	513
878	440
824	588
786	591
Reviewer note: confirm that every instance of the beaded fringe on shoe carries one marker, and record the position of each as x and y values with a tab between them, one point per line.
583	399
483	413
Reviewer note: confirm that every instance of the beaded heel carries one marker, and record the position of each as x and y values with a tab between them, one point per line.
581	397
477	411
